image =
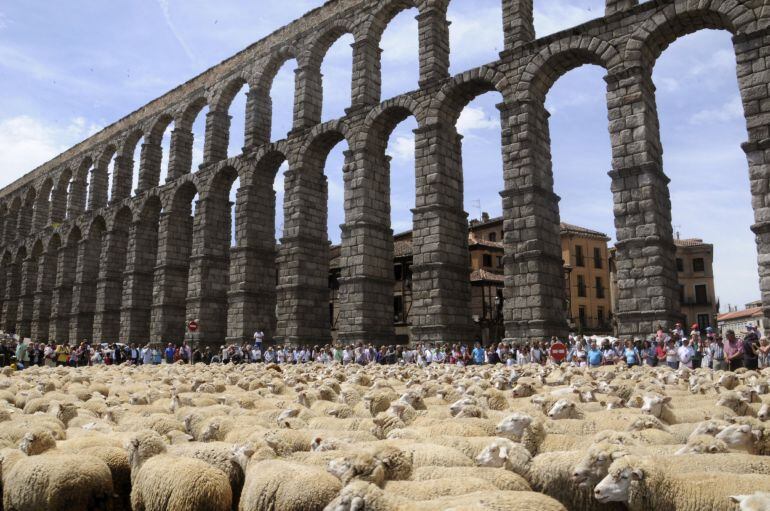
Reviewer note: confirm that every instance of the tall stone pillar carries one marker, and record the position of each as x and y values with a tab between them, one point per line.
433	29
97	190
303	260
42	209
122	179
58	208
252	295
259	113
109	286
27	297
534	306
648	289
149	166
616	6
25	219
753	77
518	25
61	300
84	290
170	281
366	286
210	268
217	136
367	79
77	198
11	225
180	153
441	293
12	291
46	279
142	253
309	96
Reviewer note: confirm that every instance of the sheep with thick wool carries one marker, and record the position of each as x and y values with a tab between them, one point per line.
647	484
502	479
162	482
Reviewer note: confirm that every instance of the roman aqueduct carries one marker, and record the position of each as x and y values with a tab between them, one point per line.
77	266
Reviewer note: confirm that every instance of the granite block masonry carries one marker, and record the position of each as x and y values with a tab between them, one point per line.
85	260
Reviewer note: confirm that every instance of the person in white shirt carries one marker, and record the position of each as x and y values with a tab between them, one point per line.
269	355
685	353
146	355
259	336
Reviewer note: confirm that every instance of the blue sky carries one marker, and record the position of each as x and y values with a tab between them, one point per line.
69	72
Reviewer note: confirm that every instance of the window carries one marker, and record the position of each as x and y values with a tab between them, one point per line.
398	272
598	258
398	309
704	321
698	264
582	316
701	295
679	264
492	236
486	260
600	315
579	256
599	288
581	285
333	282
499	261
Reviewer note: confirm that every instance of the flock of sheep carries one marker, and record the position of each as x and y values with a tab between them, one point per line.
381	438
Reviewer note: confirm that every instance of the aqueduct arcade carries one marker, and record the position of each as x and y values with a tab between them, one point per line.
86	256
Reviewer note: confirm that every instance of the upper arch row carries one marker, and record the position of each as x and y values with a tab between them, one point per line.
522	74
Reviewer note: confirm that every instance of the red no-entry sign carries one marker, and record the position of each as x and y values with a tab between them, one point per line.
192	326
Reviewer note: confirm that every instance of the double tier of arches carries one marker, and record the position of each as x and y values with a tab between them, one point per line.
85	258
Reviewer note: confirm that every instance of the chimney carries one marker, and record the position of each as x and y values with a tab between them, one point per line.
485	217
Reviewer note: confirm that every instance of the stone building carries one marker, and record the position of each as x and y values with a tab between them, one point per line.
739	320
487	280
695	271
81	261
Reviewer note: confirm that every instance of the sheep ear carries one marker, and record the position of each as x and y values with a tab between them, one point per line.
667	399
637	474
738	498
713	448
504	453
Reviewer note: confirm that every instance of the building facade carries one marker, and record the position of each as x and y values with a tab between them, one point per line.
586	280
739	321
697	294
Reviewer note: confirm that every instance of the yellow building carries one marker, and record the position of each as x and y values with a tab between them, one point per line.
695	269
486	252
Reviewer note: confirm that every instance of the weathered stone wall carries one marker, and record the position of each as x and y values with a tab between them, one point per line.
138	266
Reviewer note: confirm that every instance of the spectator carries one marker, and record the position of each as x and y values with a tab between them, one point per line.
595	356
751	351
733	351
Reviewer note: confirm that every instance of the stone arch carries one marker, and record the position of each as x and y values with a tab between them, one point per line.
322	139
99	193
76	196
682	18
379	20
461	90
109	286
26	213
560	57
273	64
381	120
152	153
11	223
223	102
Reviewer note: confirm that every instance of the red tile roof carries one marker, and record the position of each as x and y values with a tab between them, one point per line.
745	313
689	242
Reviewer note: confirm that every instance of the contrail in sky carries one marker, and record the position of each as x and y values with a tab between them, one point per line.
167	15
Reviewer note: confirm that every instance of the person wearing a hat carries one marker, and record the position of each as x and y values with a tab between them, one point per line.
697	346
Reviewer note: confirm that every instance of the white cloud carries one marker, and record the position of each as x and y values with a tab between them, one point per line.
476	119
3	21
402	149
729	111
400	42
556	15
720	61
27	142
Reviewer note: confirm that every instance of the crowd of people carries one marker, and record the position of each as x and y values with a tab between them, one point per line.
674	349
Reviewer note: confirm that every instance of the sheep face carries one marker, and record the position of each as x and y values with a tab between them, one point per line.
562	409
739	437
457	406
361	466
757	501
414	400
514	426
615	487
707	428
494	455
523	390
764	412
595	465
703	444
653	404
241	455
734	402
728	381
36	442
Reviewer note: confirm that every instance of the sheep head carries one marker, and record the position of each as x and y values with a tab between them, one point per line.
514	426
595	464
241	455
37	442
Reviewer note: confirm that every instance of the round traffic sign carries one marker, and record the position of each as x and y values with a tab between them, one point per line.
193	326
